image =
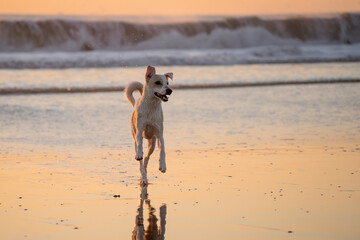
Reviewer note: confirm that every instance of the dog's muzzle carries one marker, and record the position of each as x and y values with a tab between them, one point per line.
164	97
168	91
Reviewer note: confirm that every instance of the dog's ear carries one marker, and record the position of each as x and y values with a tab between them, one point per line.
169	75
149	72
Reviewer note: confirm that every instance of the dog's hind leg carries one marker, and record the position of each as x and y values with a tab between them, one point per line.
135	148
139	145
150	150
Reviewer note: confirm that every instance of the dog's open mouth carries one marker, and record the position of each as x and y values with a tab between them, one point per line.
162	97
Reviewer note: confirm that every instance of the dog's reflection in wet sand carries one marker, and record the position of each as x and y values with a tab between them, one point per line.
153	231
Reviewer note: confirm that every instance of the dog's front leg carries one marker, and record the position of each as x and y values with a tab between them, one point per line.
139	143
162	163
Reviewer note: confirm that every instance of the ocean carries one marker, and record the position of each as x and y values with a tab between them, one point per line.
56	55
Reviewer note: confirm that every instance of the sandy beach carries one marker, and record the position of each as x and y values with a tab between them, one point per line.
243	163
260	193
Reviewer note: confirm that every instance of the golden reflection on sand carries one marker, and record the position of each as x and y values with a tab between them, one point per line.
153	231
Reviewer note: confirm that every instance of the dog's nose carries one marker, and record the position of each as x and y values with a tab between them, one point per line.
168	91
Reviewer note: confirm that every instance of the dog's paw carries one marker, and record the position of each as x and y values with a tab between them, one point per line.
139	156
162	167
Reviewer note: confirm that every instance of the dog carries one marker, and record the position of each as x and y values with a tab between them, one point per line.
147	118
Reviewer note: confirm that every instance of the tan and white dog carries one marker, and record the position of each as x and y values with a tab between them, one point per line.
147	118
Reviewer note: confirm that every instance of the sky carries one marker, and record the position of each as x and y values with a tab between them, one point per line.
177	7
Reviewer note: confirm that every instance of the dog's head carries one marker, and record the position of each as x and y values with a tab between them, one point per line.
158	84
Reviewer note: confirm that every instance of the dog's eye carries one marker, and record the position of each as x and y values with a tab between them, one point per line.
158	83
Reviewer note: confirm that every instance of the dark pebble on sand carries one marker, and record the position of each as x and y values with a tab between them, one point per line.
290	231
76	228
116	196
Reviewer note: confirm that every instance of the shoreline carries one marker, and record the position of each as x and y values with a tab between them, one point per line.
33	91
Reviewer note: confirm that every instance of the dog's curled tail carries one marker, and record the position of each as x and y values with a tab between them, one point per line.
130	88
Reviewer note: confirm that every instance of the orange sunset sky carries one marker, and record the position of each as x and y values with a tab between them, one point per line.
176	7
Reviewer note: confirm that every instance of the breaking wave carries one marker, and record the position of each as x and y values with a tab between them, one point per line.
88	43
228	33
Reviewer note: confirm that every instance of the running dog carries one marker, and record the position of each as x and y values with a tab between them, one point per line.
147	118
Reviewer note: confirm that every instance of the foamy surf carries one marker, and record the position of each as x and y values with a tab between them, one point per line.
200	57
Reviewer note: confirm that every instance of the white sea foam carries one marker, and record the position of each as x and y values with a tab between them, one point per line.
218	39
263	54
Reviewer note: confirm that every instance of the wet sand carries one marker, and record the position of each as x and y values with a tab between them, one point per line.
259	193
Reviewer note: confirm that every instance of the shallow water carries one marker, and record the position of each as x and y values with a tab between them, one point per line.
193	118
183	75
